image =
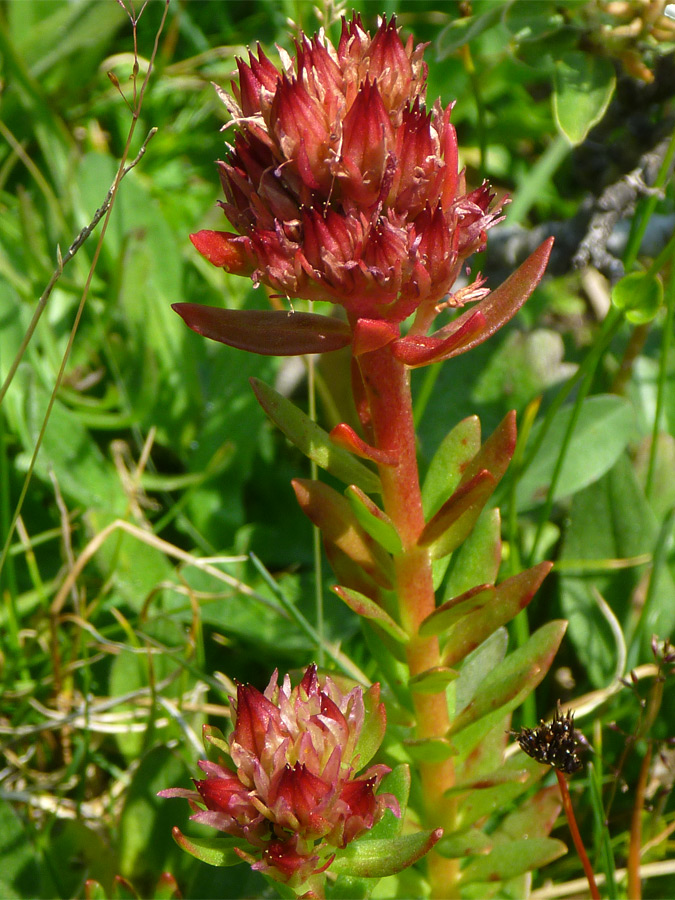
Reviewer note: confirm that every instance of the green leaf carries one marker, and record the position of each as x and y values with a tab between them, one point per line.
443	618
492	779
460	31
480	474
93	890
369	609
215	742
167	888
433	681
123	889
612	520
481	802
509	598
313	441
21	866
639	295
333	515
507	685
456	451
145	840
430	749
454	521
528	21
583	85
481	760
662	496
535	815
374	725
605	425
470	843
375	859
478	559
397	782
495	453
371	518
511	859
213	851
477	665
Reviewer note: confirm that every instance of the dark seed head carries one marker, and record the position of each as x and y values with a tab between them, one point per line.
553	743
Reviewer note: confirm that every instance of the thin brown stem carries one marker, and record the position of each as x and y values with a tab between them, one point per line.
576	836
635	846
108	204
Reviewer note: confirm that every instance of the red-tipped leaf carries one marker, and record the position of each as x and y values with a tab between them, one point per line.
481	321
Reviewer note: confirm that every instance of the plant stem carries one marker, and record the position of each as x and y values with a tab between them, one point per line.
635	846
576	836
387	387
662	379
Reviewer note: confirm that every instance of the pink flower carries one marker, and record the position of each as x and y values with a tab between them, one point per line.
293	793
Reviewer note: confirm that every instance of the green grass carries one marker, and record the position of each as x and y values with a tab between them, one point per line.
137	471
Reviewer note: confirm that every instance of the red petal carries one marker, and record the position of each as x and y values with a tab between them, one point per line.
224	250
256	715
224	794
269	332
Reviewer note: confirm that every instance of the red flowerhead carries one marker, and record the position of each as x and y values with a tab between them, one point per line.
290	789
342	185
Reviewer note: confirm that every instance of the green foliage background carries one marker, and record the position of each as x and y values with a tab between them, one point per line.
104	691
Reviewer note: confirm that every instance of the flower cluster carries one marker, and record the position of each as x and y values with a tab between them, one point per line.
293	796
341	184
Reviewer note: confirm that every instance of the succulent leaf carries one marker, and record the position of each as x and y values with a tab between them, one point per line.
478	559
535	815
511	596
482	802
453	610
472	843
430	749
512	858
495	454
397	783
434	680
376	522
270	332
333	515
214	851
507	685
343	435
377	858
454	454
313	441
369	609
454	521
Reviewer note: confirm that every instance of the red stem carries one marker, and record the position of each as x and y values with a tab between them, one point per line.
387	388
576	836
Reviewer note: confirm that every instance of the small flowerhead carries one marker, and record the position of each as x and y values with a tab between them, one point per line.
554	743
290	790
